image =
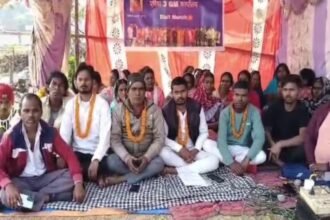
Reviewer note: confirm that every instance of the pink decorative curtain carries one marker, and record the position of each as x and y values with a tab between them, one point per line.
51	34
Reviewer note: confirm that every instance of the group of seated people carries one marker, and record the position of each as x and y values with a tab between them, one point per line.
130	132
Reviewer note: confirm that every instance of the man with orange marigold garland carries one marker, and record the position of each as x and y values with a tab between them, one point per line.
241	133
86	126
137	136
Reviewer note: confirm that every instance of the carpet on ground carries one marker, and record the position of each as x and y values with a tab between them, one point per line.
161	192
266	182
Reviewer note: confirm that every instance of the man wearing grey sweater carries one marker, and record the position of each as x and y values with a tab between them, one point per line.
138	135
241	133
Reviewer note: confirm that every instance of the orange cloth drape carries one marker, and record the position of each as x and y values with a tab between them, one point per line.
96	37
238	40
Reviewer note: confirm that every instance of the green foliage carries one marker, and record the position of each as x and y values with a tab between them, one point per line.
72	69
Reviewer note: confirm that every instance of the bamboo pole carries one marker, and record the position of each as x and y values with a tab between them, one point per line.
76	19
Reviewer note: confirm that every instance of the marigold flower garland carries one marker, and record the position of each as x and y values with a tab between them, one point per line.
143	126
183	140
85	134
238	134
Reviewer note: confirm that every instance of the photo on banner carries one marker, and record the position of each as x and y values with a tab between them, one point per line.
192	24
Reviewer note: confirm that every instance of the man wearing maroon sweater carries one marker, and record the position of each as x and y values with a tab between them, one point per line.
317	142
28	162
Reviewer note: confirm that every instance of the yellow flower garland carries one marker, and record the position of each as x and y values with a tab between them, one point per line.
140	137
85	134
238	134
182	140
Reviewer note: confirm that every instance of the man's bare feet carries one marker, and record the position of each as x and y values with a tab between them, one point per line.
113	180
170	171
101	182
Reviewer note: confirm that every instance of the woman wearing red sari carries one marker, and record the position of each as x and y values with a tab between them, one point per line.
224	90
254	99
212	105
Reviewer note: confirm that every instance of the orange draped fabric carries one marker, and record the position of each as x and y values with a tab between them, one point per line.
96	37
179	60
137	60
271	44
238	28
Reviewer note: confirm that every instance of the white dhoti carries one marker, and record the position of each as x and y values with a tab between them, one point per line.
204	162
239	153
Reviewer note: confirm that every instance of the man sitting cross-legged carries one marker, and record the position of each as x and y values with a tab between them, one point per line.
285	122
86	124
137	136
187	133
241	134
28	162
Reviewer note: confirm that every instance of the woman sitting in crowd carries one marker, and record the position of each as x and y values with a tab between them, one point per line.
256	86
308	77
190	79
211	104
189	69
197	74
108	93
153	93
126	73
319	96
120	93
226	82
97	83
272	90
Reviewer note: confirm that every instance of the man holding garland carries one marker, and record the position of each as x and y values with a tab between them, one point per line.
137	136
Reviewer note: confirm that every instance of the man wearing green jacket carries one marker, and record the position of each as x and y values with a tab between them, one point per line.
241	133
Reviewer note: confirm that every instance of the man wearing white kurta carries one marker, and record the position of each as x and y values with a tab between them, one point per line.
86	125
187	133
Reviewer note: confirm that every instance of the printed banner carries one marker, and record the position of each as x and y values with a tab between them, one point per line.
170	23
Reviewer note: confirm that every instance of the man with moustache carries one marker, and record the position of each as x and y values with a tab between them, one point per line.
28	161
53	104
86	126
186	134
137	136
241	133
285	122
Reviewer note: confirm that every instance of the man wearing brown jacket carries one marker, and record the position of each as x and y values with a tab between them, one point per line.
137	136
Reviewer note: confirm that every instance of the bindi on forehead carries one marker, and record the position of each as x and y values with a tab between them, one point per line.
4	97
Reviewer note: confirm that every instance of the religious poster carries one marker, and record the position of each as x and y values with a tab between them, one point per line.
173	23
